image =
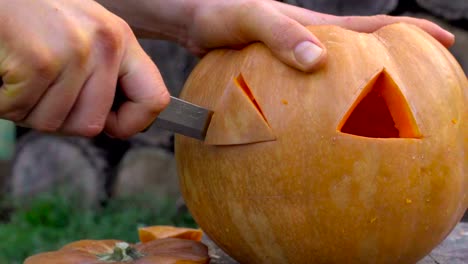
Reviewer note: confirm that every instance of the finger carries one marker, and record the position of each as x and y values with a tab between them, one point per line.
51	111
88	115
290	41
373	23
144	88
24	84
367	24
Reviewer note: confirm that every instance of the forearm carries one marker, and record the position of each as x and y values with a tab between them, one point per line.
162	19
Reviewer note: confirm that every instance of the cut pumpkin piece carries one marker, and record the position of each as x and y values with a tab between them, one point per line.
380	111
238	118
151	233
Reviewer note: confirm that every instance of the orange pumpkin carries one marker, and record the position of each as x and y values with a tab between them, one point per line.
362	161
161	251
160	245
150	233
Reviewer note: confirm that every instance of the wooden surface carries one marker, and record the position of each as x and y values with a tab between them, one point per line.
454	250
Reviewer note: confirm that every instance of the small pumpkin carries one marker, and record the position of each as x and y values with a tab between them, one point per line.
150	233
153	250
362	161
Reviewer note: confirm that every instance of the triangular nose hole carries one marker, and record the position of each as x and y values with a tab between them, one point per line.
380	111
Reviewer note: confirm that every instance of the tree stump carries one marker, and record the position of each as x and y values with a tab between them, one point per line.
147	170
46	163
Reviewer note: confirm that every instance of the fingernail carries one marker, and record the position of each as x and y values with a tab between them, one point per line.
450	34
307	53
451	37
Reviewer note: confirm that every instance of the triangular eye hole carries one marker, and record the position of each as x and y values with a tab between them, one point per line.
238	117
380	111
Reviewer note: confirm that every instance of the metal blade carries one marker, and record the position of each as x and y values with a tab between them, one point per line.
184	118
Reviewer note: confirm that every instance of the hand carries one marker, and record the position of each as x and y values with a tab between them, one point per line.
281	27
60	61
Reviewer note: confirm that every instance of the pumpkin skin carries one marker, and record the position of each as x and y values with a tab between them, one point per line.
315	194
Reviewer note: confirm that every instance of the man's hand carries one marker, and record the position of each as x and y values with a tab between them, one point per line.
202	25
281	27
60	61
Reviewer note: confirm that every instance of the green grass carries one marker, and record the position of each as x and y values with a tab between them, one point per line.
50	222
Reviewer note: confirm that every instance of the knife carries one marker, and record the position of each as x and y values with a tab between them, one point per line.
184	118
179	116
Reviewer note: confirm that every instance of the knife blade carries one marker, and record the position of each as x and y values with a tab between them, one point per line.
184	118
179	116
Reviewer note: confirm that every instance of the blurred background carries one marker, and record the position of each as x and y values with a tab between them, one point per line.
60	189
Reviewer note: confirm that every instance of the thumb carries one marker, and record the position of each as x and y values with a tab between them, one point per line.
143	89
289	41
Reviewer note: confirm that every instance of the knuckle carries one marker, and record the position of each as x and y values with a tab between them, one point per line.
282	32
80	48
249	5
246	8
110	35
45	65
204	16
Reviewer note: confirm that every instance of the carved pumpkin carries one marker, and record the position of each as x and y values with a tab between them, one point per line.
362	161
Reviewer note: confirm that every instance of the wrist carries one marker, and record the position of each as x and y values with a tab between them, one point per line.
158	19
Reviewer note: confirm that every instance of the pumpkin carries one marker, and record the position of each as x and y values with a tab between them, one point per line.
362	161
161	245
150	233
